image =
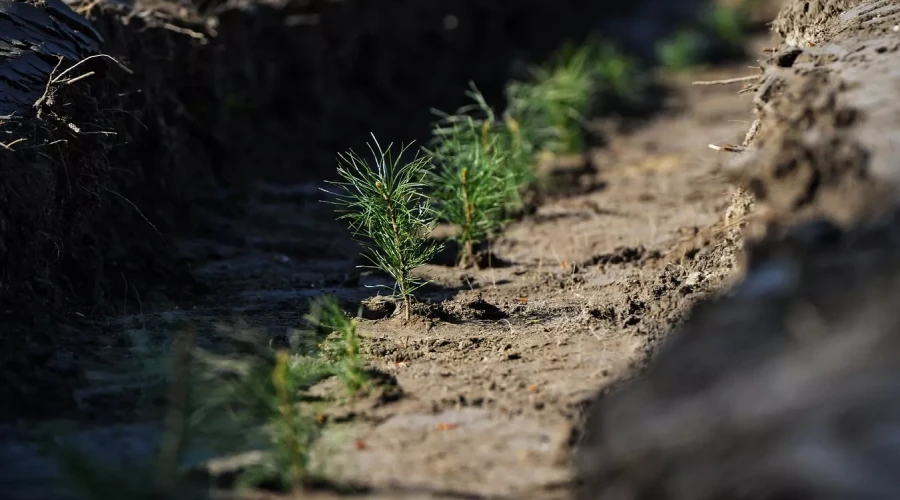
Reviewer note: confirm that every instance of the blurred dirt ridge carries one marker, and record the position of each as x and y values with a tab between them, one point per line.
826	108
787	386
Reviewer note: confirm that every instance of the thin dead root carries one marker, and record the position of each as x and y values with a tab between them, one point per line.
79	63
8	146
184	31
54	80
49	82
136	208
86	9
728	81
129	114
73	80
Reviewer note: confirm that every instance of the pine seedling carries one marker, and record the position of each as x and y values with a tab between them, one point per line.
500	138
470	183
295	448
389	214
250	400
551	107
290	431
505	140
341	351
617	76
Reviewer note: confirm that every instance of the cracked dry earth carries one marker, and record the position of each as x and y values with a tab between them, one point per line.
497	371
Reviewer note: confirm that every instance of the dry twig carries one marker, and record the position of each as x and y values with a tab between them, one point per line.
8	146
728	81
137	209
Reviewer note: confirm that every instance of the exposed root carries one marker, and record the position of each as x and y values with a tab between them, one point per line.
728	81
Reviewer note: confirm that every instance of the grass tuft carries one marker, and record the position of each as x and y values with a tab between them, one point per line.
389	214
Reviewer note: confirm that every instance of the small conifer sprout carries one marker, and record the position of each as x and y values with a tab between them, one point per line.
506	140
389	214
553	105
470	183
341	351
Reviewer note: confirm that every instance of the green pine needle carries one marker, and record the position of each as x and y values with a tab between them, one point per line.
553	105
513	147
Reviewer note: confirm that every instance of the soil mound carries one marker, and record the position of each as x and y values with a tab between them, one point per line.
827	117
786	388
84	212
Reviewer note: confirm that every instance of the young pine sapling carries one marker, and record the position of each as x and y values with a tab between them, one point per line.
389	214
470	184
505	140
551	107
341	351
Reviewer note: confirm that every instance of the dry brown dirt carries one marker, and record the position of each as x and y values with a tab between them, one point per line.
786	388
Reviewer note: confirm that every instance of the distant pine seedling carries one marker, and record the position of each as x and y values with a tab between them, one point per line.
552	107
470	183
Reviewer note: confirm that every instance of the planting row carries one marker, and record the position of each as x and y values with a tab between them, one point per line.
478	168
